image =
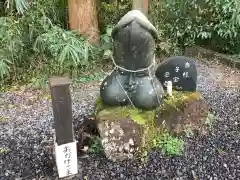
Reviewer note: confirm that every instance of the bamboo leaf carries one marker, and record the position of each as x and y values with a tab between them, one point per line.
21	5
63	54
86	53
75	56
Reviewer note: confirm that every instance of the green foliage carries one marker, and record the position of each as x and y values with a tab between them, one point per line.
96	145
9	6
21	22
34	37
4	150
88	78
33	41
168	144
213	23
210	120
11	44
38	82
68	49
106	40
111	13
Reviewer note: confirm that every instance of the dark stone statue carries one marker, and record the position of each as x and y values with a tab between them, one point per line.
181	71
133	80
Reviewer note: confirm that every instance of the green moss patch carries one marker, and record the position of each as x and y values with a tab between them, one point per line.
141	117
177	100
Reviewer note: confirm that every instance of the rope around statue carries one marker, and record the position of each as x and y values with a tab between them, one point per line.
153	64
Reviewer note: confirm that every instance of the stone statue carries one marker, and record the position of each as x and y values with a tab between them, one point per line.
181	71
133	79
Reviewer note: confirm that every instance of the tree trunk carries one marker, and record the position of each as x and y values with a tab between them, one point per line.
141	5
83	17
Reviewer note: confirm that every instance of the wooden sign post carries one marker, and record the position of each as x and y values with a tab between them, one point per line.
65	145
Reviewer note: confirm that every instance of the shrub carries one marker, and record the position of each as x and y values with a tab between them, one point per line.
21	22
34	40
11	45
69	50
168	144
213	23
110	13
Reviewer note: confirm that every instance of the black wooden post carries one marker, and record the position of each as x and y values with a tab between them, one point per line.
62	109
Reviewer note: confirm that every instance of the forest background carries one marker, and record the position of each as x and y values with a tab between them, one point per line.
42	38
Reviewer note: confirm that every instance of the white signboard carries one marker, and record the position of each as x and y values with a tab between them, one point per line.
66	159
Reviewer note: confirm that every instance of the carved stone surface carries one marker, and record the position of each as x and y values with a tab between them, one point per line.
181	71
134	41
120	138
138	86
133	80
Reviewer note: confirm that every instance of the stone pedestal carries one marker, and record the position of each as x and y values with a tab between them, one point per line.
127	132
183	112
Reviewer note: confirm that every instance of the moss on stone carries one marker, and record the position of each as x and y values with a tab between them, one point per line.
147	119
177	100
139	116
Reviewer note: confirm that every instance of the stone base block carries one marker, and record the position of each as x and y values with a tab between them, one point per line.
126	132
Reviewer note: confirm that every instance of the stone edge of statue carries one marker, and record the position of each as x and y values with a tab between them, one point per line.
138	16
150	94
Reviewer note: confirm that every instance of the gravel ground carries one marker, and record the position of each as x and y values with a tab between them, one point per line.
26	138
